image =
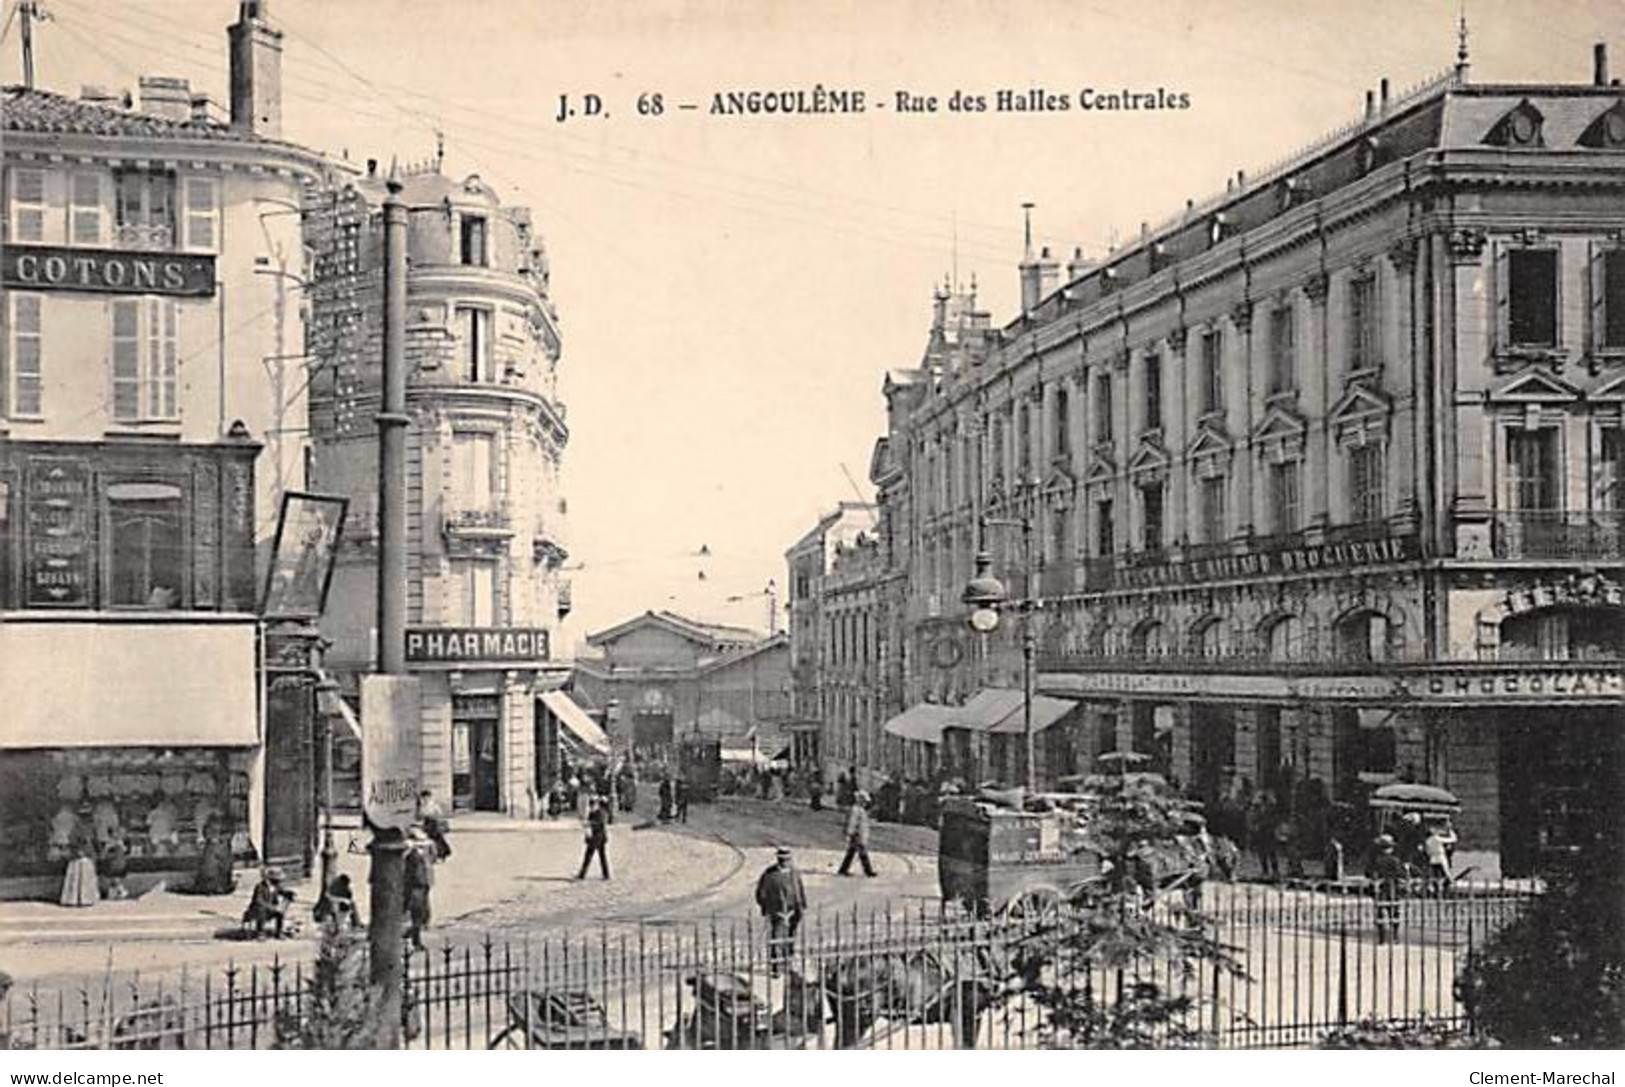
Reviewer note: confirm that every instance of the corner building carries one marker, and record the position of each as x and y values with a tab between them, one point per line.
485	523
1324	476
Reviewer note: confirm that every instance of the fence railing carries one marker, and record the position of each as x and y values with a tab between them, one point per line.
1312	959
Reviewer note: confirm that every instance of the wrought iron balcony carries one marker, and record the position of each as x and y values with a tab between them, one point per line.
1597	535
154	237
487	521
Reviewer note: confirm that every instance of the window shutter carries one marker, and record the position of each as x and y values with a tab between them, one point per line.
1597	285
202	214
28	205
28	351
1503	298
127	359
85	214
169	362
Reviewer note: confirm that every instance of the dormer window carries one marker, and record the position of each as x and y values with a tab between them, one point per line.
474	241
1608	130
1519	128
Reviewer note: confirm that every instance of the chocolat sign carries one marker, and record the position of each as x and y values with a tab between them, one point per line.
449	645
106	271
1300	559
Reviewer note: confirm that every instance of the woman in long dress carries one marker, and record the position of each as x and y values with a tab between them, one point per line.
79	887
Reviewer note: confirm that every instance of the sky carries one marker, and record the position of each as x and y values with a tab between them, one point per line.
732	289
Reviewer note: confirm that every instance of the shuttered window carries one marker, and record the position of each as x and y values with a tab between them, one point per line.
145	364
27	205
26	355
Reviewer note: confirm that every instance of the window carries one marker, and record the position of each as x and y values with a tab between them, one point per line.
473	240
1282	345
1285	640
27	375
27	205
145	364
1606	493
1213	371
1063	423
1612	295
476	581
1153	392
1366	484
1532	481
997	450
202	214
1024	441
146	553
1531	297
85	209
1284	498
1363	638
474	334
1151	505
1212	495
473	470
145	210
1103	408
1210	639
1363	354
1105	529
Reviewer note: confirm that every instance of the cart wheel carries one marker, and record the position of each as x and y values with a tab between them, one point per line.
1036	904
508	1039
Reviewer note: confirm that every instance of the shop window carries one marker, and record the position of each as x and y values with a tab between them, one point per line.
476	582
473	470
1532	476
1105	528
1367	499
474	339
1103	408
85	213
1283	377
1529	296
144	210
1212	507
1212	372
473	240
146	545
202	214
1151	509
1153	392
1283	498
1363	323
28	208
145	361
26	358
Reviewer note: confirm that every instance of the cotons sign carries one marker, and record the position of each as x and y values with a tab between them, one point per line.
106	271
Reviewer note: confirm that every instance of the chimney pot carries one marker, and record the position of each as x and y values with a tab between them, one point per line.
1370	104
165	96
1599	64
372	167
1384	87
200	108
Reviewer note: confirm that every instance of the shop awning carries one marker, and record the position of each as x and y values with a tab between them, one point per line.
987	708
135	684
575	720
922	722
1046	712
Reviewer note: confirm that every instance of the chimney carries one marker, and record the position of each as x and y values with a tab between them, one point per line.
372	167
200	109
1370	105
1384	93
256	71
165	96
1077	266
1599	64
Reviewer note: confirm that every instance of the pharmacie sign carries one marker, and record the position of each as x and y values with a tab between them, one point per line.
447	645
106	271
1299	559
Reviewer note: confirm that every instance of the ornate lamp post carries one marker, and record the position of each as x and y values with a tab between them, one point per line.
987	597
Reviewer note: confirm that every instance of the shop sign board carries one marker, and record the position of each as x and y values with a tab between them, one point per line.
391	755
106	271
1275	561
453	645
58	501
1521	685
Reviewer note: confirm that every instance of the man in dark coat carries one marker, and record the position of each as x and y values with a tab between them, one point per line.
782	899
417	882
597	839
665	799
857	836
679	799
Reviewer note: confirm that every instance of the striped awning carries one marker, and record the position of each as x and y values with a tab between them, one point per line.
574	720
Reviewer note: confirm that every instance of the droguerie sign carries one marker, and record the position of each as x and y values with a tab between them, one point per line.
1302	559
440	645
38	267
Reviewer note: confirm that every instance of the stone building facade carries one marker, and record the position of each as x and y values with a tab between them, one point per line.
151	420
486	524
1323	475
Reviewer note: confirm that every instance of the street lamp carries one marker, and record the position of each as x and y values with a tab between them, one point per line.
329	706
987	597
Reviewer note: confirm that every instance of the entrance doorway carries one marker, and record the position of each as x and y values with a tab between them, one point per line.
476	781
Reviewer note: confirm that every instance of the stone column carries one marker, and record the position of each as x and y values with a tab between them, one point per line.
1408	421
1177	436
1464	346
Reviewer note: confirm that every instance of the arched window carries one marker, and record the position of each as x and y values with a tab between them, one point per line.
1285	639
1149	640
1208	639
1365	637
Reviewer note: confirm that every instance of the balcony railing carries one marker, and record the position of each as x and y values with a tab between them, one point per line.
1595	535
478	522
158	237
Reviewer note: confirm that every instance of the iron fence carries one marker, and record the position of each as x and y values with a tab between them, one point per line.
1311	959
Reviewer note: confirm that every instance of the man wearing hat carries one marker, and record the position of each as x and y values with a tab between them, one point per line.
597	837
783	900
857	835
1388	872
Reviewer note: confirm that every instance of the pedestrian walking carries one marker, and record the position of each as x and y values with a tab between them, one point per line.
665	799
782	899
1261	833
1438	858
432	814
597	840
79	883
417	885
679	798
857	835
